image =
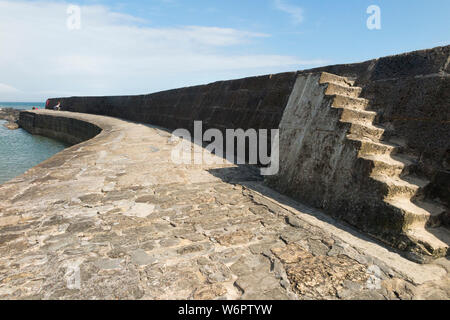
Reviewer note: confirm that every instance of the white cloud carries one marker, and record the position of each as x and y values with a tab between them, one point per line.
8	92
4	88
114	53
295	12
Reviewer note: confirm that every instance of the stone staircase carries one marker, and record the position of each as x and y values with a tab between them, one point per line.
390	174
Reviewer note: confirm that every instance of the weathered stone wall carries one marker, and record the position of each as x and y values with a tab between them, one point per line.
319	165
256	102
333	157
68	130
410	93
112	219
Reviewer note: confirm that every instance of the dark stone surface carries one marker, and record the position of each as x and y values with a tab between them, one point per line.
411	95
68	130
256	102
410	64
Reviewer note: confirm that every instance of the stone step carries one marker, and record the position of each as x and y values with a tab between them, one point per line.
332	78
366	131
420	182
394	187
369	147
357	116
420	214
437	213
385	164
401	144
338	89
435	240
341	101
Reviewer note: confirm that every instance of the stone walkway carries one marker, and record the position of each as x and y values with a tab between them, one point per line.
114	218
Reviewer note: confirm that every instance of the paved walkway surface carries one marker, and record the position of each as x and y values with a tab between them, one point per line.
114	218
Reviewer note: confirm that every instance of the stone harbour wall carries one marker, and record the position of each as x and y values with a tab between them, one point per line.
68	130
410	93
332	156
256	102
408	109
113	218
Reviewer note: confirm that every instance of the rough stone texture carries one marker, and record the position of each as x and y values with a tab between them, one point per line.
408	92
256	102
11	125
9	114
411	95
194	232
332	157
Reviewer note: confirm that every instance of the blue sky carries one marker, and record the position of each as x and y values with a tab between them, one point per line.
132	47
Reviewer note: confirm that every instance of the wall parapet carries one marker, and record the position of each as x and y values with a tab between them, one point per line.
69	130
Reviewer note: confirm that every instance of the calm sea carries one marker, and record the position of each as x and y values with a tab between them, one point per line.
22	105
19	150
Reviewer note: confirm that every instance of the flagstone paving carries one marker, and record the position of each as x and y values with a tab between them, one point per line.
115	218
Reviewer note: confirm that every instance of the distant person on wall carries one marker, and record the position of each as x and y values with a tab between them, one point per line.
58	106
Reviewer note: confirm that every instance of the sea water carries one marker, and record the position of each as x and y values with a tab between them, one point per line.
19	150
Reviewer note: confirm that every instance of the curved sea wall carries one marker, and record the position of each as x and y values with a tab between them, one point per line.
410	93
403	107
256	102
68	130
113	218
